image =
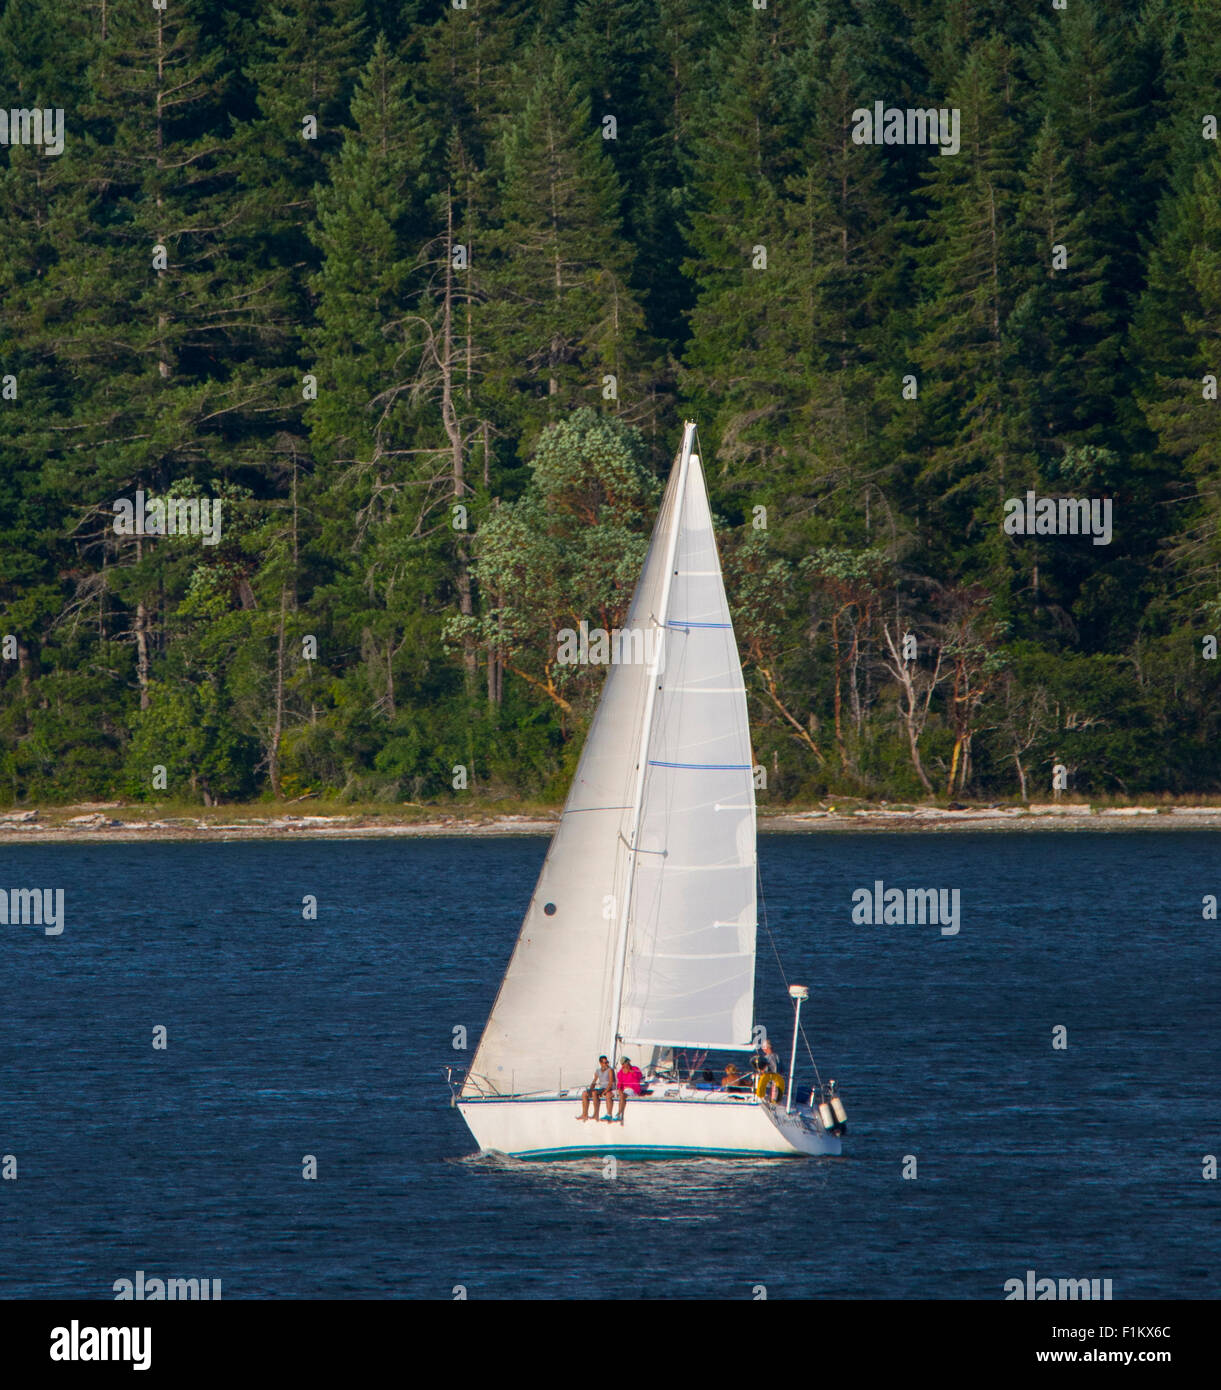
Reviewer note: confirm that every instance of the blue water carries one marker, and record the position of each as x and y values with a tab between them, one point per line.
288	1038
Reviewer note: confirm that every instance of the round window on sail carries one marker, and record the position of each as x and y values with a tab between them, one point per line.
549	909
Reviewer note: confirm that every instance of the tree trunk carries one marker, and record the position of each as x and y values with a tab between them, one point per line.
277	720
23	668
911	713
839	728
769	681
495	673
553	385
142	663
913	743
453	431
949	785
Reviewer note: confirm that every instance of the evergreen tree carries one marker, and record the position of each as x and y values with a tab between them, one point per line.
371	221
154	315
43	59
1093	96
383	476
1060	314
969	437
302	67
743	153
562	322
802	405
468	70
1180	400
619	50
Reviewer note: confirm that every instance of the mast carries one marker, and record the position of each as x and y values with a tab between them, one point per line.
646	732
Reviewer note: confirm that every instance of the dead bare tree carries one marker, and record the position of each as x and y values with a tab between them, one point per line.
1026	721
916	688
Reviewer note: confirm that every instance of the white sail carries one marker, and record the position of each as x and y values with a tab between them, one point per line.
660	941
690	968
554	1013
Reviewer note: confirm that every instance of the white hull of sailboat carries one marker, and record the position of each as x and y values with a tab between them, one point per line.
691	1125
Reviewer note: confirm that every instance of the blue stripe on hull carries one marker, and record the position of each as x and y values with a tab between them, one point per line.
654	1152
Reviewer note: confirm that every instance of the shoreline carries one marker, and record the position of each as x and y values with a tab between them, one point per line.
99	827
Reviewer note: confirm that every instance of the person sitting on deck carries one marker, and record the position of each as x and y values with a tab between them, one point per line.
733	1080
769	1072
630	1079
603	1085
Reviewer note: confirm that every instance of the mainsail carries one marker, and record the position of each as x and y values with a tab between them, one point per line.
642	922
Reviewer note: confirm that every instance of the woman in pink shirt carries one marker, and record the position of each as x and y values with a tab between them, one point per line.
629	1079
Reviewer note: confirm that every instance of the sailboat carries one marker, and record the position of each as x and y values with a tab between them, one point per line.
640	936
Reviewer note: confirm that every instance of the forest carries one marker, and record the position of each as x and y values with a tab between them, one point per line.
408	299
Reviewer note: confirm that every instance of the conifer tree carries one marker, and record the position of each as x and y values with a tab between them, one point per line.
375	428
802	406
743	153
970	441
468	71
302	70
617	48
1092	96
1060	313
155	314
1181	397
371	219
1186	40
562	322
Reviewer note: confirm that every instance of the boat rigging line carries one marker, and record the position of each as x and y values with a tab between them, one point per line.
785	978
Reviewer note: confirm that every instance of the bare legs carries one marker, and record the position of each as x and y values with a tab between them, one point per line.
596	1096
